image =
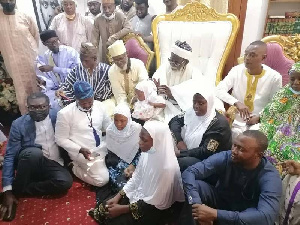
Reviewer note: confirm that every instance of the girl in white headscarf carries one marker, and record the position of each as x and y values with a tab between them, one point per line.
149	105
201	131
154	187
122	139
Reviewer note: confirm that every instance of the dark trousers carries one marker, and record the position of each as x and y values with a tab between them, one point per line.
185	162
208	197
37	175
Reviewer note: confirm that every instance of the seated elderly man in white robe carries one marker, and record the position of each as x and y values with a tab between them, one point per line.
176	80
125	73
78	131
253	85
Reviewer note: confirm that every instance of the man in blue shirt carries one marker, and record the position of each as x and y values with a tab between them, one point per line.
247	191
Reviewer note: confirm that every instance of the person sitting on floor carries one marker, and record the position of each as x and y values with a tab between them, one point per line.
248	189
201	131
155	185
78	131
125	73
122	139
253	85
93	72
148	104
33	153
54	65
175	80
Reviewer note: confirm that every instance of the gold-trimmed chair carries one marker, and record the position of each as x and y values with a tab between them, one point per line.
137	48
210	34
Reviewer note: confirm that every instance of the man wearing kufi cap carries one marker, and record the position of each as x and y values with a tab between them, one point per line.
79	131
54	65
127	8
125	73
110	26
91	71
94	9
71	27
175	79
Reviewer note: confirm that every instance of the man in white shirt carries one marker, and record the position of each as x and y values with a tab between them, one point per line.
125	73
79	131
253	85
39	166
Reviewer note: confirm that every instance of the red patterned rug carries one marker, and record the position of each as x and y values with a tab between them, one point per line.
70	209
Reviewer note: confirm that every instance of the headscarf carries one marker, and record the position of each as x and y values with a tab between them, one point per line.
83	90
157	178
182	49
124	143
149	89
47	34
195	126
295	68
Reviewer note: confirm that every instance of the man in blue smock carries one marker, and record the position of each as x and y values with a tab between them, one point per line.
247	191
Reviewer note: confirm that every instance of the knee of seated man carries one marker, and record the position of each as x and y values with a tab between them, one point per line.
65	183
32	154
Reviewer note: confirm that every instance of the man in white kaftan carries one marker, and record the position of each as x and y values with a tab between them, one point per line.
253	85
176	80
72	28
79	131
19	38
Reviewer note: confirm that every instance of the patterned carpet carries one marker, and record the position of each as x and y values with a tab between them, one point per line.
70	209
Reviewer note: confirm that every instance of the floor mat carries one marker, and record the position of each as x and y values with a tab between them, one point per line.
69	209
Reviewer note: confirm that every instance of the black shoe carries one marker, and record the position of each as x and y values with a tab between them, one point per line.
13	211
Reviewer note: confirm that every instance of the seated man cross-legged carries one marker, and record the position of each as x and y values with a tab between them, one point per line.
248	189
78	131
33	153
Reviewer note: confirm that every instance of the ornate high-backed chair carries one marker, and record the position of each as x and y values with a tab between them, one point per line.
137	48
210	34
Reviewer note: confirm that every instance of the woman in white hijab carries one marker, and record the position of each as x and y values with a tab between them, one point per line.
154	187
201	131
122	139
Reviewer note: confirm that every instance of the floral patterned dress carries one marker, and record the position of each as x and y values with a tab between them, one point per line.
280	122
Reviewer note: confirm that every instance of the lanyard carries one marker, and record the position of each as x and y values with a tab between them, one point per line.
96	135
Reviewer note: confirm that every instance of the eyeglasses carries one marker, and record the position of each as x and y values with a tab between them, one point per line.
52	43
37	108
175	64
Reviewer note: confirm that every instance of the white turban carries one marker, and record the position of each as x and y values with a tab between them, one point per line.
181	52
